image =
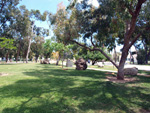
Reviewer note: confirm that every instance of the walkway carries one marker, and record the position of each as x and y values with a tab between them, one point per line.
102	70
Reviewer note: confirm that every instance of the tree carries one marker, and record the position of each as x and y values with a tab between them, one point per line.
48	48
94	56
24	24
59	47
7	10
37	46
6	44
112	19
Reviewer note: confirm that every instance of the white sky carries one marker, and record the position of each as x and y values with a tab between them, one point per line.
93	2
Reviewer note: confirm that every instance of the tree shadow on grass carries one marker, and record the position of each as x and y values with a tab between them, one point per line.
55	90
144	72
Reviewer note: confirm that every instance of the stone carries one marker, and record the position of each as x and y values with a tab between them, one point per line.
131	71
45	61
100	64
69	63
81	64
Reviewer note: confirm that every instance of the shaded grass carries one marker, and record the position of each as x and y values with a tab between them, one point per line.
35	88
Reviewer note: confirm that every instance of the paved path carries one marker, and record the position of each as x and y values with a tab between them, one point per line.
101	70
140	67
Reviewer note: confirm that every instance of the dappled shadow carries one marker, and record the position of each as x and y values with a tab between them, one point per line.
50	70
144	72
53	90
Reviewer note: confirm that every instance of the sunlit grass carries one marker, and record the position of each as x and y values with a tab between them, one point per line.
106	67
36	88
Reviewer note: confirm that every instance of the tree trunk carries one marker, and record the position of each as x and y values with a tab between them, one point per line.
146	56
62	63
120	74
63	60
93	62
115	54
23	60
7	57
130	57
10	57
18	52
36	59
58	59
28	51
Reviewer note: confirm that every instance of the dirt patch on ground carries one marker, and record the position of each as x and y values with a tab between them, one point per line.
144	111
110	73
4	74
126	79
64	69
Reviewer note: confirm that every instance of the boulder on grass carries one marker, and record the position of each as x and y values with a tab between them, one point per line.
45	62
131	71
81	64
69	63
100	64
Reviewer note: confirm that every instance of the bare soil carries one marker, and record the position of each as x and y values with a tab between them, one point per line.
4	74
126	79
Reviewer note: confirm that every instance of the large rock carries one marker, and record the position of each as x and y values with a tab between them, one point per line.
69	63
81	64
100	64
131	71
45	61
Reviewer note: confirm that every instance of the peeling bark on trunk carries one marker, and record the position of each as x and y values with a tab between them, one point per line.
28	51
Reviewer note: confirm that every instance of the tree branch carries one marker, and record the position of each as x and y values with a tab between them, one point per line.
138	7
134	40
92	41
134	18
130	10
3	23
97	49
3	3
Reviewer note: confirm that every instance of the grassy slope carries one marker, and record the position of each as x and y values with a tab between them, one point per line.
35	88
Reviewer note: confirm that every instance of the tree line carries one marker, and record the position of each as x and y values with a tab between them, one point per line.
77	26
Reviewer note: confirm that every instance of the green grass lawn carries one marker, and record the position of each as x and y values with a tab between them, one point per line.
36	88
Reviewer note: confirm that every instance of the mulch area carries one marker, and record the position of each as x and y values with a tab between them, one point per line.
64	69
144	111
113	78
126	79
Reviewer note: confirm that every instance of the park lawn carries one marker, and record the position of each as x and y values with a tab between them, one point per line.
106	67
36	88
